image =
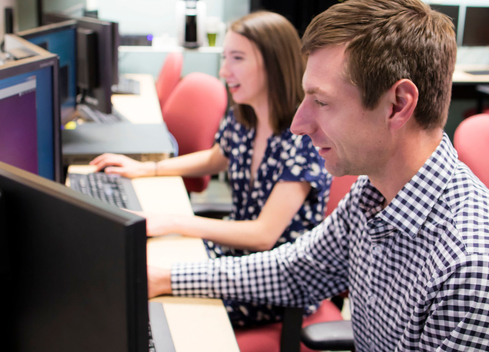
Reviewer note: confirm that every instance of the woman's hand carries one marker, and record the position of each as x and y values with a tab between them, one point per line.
124	166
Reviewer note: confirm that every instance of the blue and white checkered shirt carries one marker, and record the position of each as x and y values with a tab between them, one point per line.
417	271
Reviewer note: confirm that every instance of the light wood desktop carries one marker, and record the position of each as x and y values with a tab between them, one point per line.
143	107
461	75
196	324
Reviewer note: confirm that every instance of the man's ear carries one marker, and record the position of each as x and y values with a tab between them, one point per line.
404	98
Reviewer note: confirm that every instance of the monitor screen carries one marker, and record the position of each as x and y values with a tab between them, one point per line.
60	39
30	136
75	277
476	29
451	11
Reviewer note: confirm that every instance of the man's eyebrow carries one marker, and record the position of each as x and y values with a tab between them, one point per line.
315	90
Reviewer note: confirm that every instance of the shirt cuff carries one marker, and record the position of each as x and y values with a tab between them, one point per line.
190	279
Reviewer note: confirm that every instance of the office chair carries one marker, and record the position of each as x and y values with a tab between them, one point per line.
169	76
192	114
471	140
325	328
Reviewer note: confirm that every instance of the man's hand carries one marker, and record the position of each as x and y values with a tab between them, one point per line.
159	281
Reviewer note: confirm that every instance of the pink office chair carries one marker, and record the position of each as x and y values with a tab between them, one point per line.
339	188
285	337
169	76
471	140
192	114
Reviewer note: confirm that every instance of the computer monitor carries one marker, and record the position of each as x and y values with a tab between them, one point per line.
60	39
476	29
75	277
30	136
451	11
95	59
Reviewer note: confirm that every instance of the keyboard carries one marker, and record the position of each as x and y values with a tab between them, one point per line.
159	336
91	115
126	86
112	189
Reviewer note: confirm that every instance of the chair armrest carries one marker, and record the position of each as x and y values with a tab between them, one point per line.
483	89
332	336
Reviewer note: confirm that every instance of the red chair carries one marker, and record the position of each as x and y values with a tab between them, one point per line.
471	140
281	337
192	114
339	188
273	337
169	76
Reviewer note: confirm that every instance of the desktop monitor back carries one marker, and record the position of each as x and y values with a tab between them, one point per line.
95	59
73	269
60	39
30	134
476	29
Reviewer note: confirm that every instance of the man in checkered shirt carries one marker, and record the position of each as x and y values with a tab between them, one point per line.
411	239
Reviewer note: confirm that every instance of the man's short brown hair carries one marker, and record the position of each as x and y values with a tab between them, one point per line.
389	40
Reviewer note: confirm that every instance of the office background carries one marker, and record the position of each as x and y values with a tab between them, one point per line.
157	17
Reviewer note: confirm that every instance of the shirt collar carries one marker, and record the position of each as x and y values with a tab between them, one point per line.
410	208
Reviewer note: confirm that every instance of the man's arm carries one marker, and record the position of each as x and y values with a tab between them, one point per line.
298	274
159	281
458	314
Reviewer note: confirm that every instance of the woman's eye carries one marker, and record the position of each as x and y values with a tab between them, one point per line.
320	103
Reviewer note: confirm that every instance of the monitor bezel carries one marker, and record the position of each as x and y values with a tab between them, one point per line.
19	186
41	59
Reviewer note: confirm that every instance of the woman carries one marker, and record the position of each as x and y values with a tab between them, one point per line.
278	180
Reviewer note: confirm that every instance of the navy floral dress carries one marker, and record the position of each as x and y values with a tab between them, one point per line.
288	157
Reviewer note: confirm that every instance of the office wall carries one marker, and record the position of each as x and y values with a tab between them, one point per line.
27	10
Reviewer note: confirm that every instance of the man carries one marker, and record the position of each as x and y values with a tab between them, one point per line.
411	239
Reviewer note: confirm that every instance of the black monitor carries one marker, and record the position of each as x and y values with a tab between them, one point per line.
451	11
95	59
73	269
60	39
476	29
30	135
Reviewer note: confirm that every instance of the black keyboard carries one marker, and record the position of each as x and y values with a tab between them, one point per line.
112	189
151	342
126	86
159	336
91	115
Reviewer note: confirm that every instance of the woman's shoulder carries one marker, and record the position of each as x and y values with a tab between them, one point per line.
289	140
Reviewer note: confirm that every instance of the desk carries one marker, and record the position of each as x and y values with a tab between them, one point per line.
464	83
196	324
142	108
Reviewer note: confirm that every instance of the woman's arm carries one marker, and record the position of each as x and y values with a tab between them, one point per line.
261	234
205	162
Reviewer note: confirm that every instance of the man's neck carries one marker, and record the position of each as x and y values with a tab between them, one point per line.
405	162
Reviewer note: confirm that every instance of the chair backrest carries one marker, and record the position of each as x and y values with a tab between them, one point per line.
169	76
192	113
339	188
471	140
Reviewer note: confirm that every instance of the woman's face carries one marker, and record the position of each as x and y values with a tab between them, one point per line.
244	71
